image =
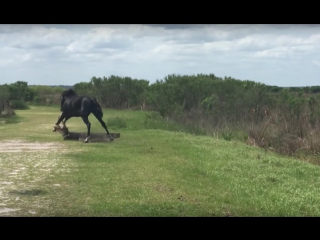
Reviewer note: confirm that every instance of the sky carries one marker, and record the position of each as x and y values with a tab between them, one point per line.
278	54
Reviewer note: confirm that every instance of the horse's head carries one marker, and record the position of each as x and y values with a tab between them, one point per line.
65	95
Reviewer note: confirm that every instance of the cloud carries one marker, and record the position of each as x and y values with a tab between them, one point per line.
39	37
73	53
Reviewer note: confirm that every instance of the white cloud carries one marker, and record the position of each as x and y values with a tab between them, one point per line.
73	53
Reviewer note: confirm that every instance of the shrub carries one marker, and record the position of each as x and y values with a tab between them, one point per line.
19	104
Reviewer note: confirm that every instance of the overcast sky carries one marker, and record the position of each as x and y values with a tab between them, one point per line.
282	55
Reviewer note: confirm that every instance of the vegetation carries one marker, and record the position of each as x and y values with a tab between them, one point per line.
148	171
284	120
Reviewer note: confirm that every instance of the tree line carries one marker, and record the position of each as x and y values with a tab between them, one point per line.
276	117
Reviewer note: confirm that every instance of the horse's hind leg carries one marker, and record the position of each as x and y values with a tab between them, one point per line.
86	121
103	125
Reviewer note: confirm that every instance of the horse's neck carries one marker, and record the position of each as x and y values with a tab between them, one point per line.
73	96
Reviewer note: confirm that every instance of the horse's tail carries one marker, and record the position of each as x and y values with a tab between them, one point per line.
97	107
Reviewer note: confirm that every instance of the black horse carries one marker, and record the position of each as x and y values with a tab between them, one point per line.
73	105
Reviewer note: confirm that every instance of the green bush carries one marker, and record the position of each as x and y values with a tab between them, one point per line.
19	104
227	135
37	100
154	115
154	120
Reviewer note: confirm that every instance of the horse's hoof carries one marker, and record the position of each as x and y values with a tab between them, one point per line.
111	138
86	140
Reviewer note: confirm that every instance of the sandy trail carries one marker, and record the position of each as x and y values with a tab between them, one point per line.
27	171
21	146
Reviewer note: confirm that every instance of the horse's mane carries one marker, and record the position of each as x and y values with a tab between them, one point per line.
68	93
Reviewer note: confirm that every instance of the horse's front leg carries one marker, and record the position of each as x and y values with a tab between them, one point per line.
59	120
88	124
65	127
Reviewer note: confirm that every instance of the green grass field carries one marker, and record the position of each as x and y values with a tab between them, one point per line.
145	172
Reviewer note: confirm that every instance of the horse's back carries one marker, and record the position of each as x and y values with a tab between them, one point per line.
80	105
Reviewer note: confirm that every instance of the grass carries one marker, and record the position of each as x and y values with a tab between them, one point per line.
149	172
8	120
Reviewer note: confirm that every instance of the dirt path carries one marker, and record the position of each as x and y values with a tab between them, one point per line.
27	171
21	146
